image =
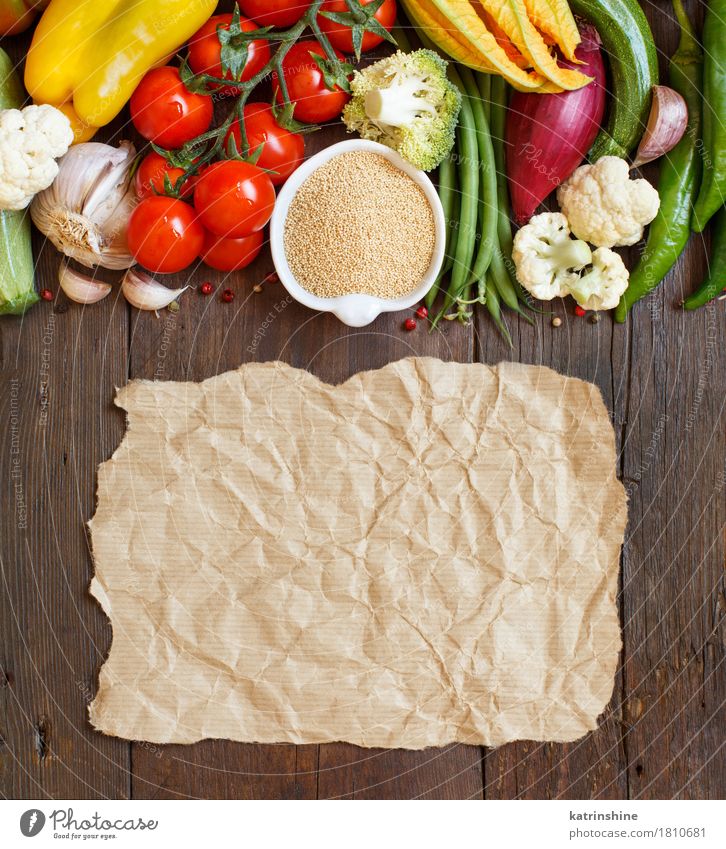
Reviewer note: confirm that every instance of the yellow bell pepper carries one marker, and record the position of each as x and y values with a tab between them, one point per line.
88	56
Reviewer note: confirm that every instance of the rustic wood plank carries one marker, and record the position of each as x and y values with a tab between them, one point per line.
348	772
673	465
674	557
59	367
593	767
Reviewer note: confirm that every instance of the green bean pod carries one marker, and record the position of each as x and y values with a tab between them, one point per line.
715	283
447	196
487	234
679	176
495	310
498	121
468	172
631	52
484	85
713	188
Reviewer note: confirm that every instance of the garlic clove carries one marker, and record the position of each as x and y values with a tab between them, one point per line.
145	293
110	183
81	288
666	125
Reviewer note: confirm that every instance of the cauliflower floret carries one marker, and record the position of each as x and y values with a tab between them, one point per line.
604	206
546	258
602	286
31	139
406	102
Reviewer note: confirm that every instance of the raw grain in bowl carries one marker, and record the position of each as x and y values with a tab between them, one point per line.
359	224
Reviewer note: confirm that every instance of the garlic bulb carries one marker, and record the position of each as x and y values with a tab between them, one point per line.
85	212
145	293
81	288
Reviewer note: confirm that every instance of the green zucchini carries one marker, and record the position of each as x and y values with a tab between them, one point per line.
17	290
633	60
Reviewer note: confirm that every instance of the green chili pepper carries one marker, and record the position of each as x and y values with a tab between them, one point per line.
679	174
630	48
713	189
715	283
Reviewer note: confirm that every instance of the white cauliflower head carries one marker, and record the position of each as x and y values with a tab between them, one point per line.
31	139
546	258
604	206
603	285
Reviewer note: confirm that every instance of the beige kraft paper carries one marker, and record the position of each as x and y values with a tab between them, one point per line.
425	554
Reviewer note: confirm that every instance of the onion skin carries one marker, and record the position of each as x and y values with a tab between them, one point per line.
548	135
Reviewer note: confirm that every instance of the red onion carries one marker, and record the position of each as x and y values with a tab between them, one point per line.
548	135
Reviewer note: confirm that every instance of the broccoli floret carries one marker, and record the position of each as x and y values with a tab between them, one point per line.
406	102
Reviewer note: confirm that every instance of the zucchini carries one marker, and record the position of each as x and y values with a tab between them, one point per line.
633	61
17	290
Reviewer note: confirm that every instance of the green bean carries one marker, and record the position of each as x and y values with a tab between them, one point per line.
498	120
504	224
495	310
468	164
505	286
484	85
447	195
488	181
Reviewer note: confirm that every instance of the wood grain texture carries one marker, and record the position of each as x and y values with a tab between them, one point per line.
663	378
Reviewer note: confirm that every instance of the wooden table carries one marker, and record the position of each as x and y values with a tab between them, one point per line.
663	376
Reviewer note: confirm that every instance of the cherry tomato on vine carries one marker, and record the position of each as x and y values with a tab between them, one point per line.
205	51
231	254
164	234
274	13
166	112
282	151
234	198
340	35
314	101
149	178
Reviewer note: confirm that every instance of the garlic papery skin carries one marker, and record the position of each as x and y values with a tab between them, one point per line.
81	288
145	293
85	213
666	125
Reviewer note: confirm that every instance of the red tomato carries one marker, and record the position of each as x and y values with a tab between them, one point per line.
231	254
205	49
149	179
339	35
234	198
274	13
164	234
166	112
314	101
282	151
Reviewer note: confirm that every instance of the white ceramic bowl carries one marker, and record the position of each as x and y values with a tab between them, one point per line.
355	310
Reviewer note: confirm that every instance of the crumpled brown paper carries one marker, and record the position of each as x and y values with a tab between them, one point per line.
425	554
